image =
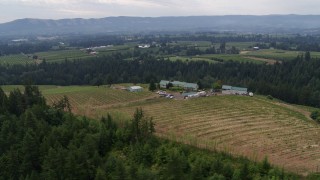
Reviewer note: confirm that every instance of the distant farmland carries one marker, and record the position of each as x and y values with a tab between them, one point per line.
279	54
263	56
57	56
16	59
48	56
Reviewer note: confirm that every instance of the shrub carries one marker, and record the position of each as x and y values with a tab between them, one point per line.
270	97
315	115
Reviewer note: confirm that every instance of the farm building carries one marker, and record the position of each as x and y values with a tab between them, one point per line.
135	89
178	84
185	85
163	83
145	46
191	86
234	90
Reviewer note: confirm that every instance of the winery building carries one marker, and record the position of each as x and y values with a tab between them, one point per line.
234	90
184	85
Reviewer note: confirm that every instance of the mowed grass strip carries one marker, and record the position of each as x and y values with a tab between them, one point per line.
230	57
85	99
239	125
216	58
57	56
15	59
279	54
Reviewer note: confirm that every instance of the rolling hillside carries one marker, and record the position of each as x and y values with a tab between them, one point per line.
239	125
255	127
231	23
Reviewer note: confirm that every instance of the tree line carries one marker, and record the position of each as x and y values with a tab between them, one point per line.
294	42
49	142
296	81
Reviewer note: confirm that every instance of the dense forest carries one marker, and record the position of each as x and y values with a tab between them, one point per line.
296	81
42	142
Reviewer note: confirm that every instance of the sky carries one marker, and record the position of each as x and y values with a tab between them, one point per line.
60	9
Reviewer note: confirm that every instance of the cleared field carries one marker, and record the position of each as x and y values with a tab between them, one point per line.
278	54
43	88
194	58
57	56
230	57
84	99
216	58
16	59
247	126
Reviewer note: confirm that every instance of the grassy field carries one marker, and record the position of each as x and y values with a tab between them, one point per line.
193	43
239	125
278	54
49	56
215	58
230	57
57	56
83	98
255	127
16	59
187	59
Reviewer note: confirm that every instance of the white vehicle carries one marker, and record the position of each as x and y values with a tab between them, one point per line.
170	96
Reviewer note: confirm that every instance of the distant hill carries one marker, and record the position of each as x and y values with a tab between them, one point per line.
231	23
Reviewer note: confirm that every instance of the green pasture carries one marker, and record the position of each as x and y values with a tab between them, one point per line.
188	59
279	54
230	57
56	56
16	59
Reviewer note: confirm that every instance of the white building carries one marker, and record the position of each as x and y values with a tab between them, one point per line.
135	89
234	90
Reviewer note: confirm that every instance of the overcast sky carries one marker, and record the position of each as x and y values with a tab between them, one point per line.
59	9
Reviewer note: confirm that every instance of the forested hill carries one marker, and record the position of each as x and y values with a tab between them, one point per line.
231	23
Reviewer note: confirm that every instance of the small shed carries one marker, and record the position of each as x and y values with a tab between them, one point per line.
135	89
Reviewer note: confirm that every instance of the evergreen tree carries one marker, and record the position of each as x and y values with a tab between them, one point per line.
152	86
30	160
3	101
15	103
100	175
223	48
141	127
265	167
32	96
307	56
